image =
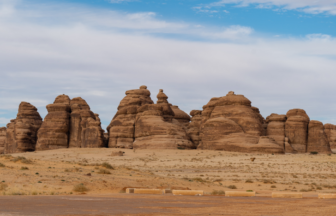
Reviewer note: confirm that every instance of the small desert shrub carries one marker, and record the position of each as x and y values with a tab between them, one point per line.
181	148
197	179
34	193
80	188
3	186
24	168
318	188
314	153
22	160
107	165
269	181
232	187
218	192
273	186
303	190
66	170
2	165
249	191
248	181
104	171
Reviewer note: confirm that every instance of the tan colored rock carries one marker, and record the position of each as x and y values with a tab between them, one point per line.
156	128
231	124
180	115
92	133
121	129
317	138
288	147
296	129
193	129
276	128
2	139
330	131
22	132
10	145
54	132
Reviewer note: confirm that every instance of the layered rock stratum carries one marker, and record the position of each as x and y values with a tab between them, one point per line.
228	123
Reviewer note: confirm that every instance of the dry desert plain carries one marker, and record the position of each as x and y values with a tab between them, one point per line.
86	172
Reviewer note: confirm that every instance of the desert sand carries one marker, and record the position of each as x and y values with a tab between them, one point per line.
56	172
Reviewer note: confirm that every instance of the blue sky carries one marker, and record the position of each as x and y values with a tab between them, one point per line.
278	53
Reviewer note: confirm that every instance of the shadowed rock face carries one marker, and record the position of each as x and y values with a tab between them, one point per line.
193	129
180	115
230	123
330	131
92	134
296	129
54	132
317	138
22	132
122	127
156	127
2	139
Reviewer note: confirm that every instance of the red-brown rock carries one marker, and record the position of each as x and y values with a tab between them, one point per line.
193	129
330	131
276	128
122	127
296	129
231	124
317	138
2	139
54	132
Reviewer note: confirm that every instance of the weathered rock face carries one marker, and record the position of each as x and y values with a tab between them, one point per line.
22	132
122	127
230	123
317	138
54	132
276	128
330	131
156	128
180	115
296	129
2	139
92	134
193	129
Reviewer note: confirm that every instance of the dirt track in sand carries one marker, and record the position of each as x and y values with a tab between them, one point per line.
133	204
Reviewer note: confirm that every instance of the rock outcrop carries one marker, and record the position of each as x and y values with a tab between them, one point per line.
22	132
122	127
231	124
92	133
296	129
276	128
180	115
317	138
54	132
193	129
2	139
156	127
330	131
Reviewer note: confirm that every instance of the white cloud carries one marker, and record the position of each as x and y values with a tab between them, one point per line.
308	6
99	54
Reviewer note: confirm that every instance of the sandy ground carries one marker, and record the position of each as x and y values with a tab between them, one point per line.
56	172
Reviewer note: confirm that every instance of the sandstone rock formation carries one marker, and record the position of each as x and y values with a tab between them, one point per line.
54	132
296	129
2	139
230	123
317	138
180	115
193	129
276	128
92	133
122	127
156	127
22	132
330	131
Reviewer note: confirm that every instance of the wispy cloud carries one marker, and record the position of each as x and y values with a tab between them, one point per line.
121	1
307	6
99	54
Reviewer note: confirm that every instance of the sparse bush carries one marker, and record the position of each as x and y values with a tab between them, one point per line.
248	181
273	186
269	181
3	186
107	165
22	160
104	171
181	148
198	180
232	187
318	188
24	168
249	191
80	188
303	190
2	165
314	153
218	192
